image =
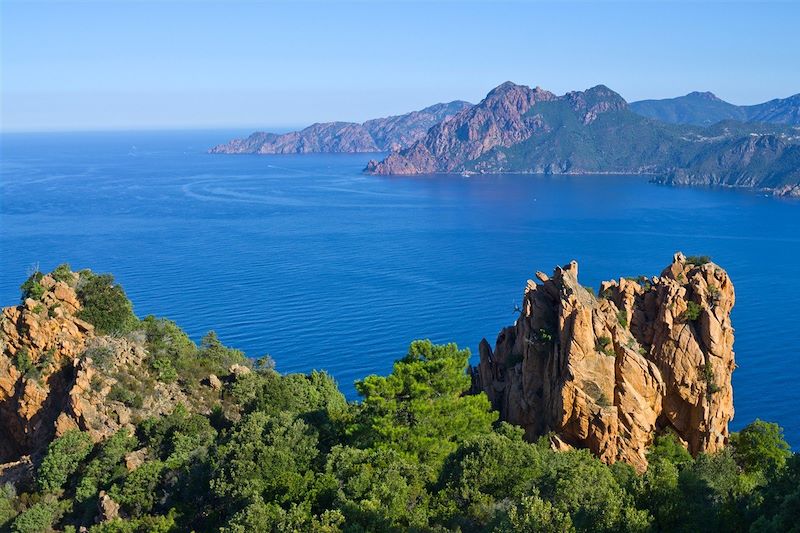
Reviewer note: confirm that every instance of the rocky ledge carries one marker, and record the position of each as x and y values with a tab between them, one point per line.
58	372
611	372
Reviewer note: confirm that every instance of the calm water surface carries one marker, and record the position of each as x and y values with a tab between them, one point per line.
309	260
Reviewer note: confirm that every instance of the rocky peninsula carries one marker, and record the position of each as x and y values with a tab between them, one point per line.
376	135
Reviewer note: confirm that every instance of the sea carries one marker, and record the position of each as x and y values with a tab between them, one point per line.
308	259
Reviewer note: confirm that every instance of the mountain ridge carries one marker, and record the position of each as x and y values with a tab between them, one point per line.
516	129
705	108
375	135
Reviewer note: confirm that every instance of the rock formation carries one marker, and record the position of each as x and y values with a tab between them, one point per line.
56	374
376	135
610	373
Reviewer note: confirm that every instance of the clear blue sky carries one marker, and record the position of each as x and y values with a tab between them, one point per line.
124	65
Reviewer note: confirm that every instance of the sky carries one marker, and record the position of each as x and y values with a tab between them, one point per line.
108	64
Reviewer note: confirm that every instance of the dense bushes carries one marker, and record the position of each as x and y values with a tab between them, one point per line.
416	454
32	288
105	304
63	458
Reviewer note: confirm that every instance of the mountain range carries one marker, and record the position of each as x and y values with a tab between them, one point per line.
697	139
376	135
704	109
516	129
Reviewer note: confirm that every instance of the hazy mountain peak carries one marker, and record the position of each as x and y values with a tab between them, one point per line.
705	95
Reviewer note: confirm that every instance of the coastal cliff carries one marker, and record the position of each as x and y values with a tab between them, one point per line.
610	373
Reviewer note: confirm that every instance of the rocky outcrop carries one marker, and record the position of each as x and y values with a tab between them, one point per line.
610	373
56	374
376	135
40	340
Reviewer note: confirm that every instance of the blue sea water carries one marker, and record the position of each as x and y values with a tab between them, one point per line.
323	267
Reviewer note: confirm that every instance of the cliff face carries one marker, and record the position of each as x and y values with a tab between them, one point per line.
488	136
610	373
57	374
397	132
498	120
376	135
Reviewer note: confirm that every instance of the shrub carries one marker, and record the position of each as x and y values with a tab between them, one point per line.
622	318
760	447
101	356
64	455
536	515
139	492
698	260
692	312
37	518
708	375
7	511
63	272
105	304
22	360
604	345
32	288
544	336
128	397
714	293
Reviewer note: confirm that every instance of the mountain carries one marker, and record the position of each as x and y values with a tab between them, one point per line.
778	111
376	135
704	108
701	109
517	129
607	373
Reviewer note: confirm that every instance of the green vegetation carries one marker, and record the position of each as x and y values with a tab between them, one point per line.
64	455
698	260
605	346
63	272
32	288
692	312
622	318
22	360
105	304
273	452
544	336
708	376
